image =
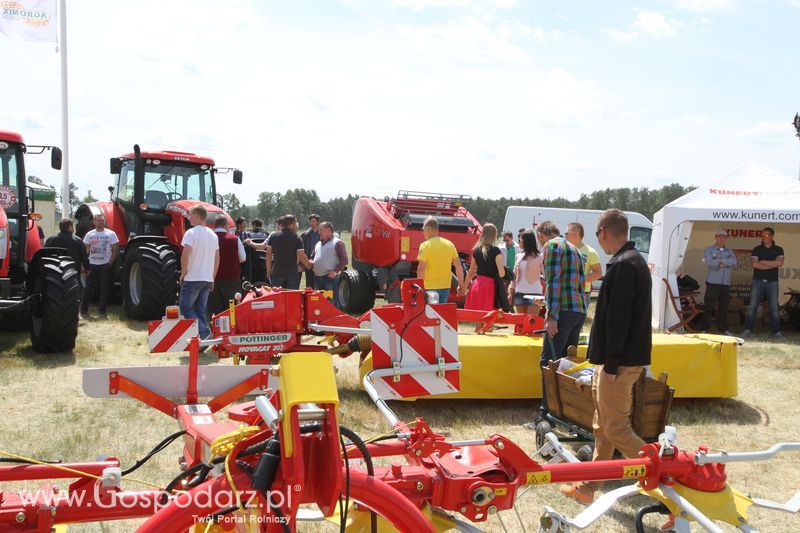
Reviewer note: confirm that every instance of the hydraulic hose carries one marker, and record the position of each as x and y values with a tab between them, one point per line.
648	509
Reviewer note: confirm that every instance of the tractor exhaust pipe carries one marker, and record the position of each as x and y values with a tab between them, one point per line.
138	176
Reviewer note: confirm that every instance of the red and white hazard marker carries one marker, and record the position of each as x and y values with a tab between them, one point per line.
171	334
414	345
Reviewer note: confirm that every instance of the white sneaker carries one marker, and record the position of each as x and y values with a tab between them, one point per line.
778	336
746	333
728	333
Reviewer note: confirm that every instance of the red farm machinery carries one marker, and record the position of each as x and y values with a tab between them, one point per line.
149	212
39	287
386	237
286	458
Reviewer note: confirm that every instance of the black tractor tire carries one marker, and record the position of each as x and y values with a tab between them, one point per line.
54	324
149	280
356	292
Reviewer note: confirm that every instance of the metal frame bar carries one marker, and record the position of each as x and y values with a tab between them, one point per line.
380	402
118	383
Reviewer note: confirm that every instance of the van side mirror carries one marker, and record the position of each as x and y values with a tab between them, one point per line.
56	157
116	165
237	177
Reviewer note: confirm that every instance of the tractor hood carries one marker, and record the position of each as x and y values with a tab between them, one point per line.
182	207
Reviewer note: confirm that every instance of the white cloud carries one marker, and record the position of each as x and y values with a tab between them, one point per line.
695	120
769	133
653	23
90	123
703	5
466	41
650	23
420	5
31	120
561	99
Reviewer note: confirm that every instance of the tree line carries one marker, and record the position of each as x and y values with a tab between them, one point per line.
339	211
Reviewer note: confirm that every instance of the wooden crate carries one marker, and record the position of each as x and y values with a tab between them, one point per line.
652	400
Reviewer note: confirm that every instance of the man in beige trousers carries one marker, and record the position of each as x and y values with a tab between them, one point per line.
620	342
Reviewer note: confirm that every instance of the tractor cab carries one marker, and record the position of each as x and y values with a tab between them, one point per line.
19	235
155	189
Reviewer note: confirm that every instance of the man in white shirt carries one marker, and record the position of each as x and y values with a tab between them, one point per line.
102	245
199	264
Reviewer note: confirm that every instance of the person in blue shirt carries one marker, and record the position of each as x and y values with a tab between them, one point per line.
720	260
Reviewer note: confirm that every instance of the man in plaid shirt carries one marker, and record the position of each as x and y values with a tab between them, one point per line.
563	295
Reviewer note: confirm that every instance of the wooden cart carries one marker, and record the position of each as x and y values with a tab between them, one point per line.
572	408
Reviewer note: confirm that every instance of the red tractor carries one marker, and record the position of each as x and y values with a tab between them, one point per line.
149	212
38	286
386	238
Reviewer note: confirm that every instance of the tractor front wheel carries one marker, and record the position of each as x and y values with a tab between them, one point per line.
356	293
54	324
149	280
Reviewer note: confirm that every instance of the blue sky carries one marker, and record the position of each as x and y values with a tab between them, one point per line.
482	97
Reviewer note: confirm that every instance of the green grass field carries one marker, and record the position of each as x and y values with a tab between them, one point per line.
46	415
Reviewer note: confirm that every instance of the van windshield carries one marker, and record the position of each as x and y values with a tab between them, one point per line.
641	238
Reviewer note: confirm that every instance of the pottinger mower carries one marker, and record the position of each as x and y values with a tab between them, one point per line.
386	235
292	451
149	211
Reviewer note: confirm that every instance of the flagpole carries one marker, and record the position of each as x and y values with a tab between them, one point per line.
64	111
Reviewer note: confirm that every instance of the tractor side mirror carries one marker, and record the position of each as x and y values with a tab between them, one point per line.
116	165
56	157
237	177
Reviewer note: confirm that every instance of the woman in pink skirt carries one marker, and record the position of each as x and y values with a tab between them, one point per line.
487	262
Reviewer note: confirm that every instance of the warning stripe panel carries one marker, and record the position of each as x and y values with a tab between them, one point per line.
171	335
418	349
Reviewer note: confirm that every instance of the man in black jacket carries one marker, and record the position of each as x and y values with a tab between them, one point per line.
74	245
620	341
67	239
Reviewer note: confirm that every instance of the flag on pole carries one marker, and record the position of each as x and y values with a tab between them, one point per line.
32	20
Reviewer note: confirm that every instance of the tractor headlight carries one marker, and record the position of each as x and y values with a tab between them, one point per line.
3	242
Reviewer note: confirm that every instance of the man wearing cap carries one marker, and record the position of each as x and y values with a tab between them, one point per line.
720	260
310	239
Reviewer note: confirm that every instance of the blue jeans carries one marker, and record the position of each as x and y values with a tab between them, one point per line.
286	282
193	301
569	332
759	289
324	283
444	294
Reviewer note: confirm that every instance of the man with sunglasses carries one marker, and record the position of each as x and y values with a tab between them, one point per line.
766	259
620	344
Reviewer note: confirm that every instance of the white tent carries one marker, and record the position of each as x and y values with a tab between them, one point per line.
742	202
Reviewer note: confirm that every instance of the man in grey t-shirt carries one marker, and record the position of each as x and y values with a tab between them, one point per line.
102	245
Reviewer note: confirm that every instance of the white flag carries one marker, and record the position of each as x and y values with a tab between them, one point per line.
32	20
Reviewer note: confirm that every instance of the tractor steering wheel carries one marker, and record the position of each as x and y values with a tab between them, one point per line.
173	196
248	287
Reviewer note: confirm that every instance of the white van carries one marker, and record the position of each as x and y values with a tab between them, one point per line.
639	227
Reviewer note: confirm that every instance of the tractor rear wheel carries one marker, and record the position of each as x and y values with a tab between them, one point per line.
356	292
54	324
149	280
